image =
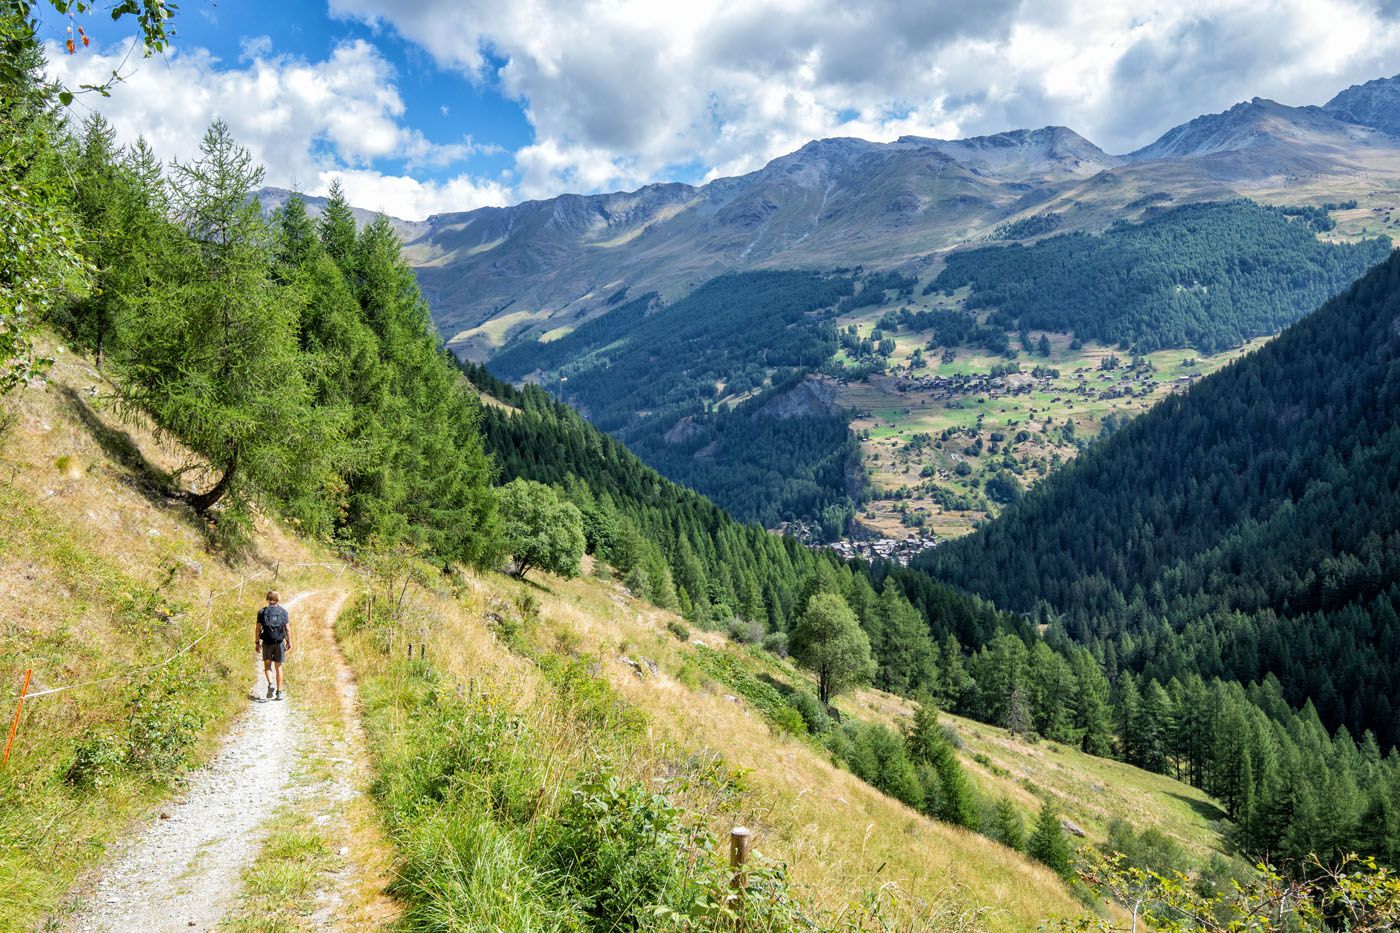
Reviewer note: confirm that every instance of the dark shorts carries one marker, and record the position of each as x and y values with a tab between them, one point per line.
274	651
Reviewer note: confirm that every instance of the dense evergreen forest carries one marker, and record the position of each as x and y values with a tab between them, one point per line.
297	358
1210	276
653	375
1288	784
1243	528
682	551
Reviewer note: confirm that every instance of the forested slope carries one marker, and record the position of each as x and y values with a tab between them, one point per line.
1209	276
683	551
1247	527
655	374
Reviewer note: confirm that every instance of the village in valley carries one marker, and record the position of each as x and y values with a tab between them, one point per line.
952	435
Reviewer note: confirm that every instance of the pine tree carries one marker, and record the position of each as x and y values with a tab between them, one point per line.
336	227
928	745
1093	715
1129	718
954	684
1154	724
1048	844
1006	826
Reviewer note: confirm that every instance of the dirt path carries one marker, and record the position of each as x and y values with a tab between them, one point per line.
187	869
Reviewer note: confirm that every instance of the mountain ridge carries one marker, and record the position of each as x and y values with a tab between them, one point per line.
538	265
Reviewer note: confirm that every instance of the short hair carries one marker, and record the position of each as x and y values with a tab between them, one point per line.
272	596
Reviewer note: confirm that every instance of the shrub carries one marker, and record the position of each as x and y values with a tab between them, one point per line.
96	760
619	850
812	711
1150	850
789	720
679	629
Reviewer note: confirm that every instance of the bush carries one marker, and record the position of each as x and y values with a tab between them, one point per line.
96	760
679	629
619	850
745	631
1150	850
812	711
786	719
776	643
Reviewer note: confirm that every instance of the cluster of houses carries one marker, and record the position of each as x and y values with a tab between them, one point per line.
891	549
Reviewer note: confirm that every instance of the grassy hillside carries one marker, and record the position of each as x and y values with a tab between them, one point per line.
853	853
96	561
103	578
1090	791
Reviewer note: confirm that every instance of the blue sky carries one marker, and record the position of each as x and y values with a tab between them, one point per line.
425	106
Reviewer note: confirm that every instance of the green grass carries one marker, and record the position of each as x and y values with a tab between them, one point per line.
278	888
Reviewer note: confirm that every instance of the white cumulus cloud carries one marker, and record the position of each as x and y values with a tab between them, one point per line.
304	121
622	92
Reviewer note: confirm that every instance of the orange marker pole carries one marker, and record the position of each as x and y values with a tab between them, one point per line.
14	726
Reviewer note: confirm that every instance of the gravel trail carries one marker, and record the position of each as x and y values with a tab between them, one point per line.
182	872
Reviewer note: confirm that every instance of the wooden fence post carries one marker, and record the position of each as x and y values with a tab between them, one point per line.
14	726
739	839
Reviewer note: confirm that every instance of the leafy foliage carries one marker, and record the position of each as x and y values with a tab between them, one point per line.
540	530
1352	894
828	639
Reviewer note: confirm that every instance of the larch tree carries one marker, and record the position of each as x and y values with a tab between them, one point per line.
211	349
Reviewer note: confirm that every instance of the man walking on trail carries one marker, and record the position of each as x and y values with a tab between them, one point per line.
272	639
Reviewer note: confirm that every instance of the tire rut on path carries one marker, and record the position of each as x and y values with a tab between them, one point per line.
184	870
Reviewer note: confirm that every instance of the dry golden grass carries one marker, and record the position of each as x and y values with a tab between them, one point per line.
101	577
839	836
1090	791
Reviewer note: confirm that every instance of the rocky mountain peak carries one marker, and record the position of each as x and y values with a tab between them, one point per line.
1375	104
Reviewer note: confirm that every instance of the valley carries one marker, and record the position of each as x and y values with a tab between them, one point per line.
974	535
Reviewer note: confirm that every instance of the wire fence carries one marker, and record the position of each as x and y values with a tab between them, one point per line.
209	602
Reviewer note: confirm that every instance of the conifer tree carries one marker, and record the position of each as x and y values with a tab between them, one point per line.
337	229
1007	827
211	350
1047	843
953	801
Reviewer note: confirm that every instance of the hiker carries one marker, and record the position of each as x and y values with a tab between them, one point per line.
272	639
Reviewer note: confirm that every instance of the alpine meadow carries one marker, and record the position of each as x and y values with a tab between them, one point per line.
699	496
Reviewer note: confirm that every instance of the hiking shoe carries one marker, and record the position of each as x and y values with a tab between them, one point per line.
270	691
279	695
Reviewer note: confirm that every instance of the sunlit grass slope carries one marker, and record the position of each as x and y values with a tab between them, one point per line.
846	845
100	577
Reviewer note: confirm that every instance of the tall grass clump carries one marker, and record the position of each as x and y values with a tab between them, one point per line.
493	835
